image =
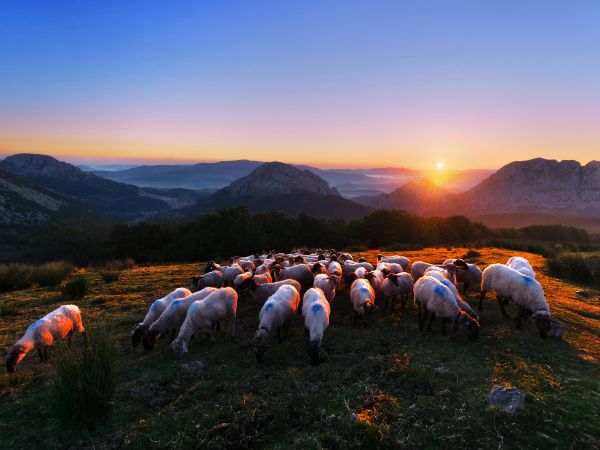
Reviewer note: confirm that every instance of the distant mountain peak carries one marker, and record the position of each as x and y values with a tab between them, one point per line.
30	164
276	178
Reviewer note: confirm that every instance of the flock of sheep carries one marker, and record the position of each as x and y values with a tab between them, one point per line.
276	281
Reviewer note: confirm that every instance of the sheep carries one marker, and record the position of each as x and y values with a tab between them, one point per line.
350	267
438	300
247	265
261	292
276	314
42	333
376	278
210	266
156	309
467	277
525	292
334	268
315	310
173	317
301	273
239	281
391	267
213	278
328	284
522	265
229	273
263	278
263	268
220	305
441	277
362	297
397	285
318	268
418	268
402	260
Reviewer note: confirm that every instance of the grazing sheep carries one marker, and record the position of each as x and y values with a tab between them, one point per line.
362	297
265	267
315	310
522	265
172	317
261	292
276	314
376	278
397	285
390	267
156	309
42	334
439	301
263	278
441	277
229	273
239	281
467	277
210	266
329	284
402	260
220	305
319	267
525	292
419	268
210	279
350	267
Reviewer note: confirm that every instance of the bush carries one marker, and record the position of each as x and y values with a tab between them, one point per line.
84	382
15	276
52	274
471	255
110	274
75	287
575	268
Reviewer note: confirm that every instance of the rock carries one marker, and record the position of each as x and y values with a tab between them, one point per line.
586	294
506	399
193	367
440	369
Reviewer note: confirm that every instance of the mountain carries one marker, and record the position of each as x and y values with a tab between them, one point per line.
284	187
119	200
22	203
418	197
537	186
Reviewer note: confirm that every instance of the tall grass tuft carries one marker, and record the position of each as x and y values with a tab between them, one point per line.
52	274
9	308
109	274
577	268
84	381
75	287
15	276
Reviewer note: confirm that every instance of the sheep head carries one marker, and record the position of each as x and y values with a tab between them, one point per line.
149	339
178	347
14	356
468	324
543	324
137	333
210	266
258	344
314	352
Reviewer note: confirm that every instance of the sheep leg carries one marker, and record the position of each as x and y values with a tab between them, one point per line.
355	319
287	328
466	285
502	303
234	327
423	320
521	314
481	297
172	335
69	337
385	303
46	353
444	321
40	354
420	320
431	319
279	335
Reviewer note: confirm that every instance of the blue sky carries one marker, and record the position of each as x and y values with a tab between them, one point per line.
335	83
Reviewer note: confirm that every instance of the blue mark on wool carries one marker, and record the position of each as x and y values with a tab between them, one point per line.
316	308
268	307
528	279
440	290
154	306
364	290
177	302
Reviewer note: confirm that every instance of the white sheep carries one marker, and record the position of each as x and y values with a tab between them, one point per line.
301	273
329	284
218	306
397	285
315	310
525	292
213	278
275	315
334	268
156	309
172	317
362	297
471	277
350	267
397	259
522	265
390	267
261	292
442	278
439	301
42	334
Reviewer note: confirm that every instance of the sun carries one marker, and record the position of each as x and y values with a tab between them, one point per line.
440	165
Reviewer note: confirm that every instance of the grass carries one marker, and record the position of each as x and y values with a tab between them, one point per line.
20	276
75	287
385	386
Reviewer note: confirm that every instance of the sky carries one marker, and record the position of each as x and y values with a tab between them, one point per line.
333	83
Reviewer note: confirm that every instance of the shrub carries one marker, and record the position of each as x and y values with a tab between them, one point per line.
573	267
471	255
84	381
75	287
52	274
15	276
110	274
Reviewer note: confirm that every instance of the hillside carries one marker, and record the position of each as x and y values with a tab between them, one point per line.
22	203
119	200
386	386
284	187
